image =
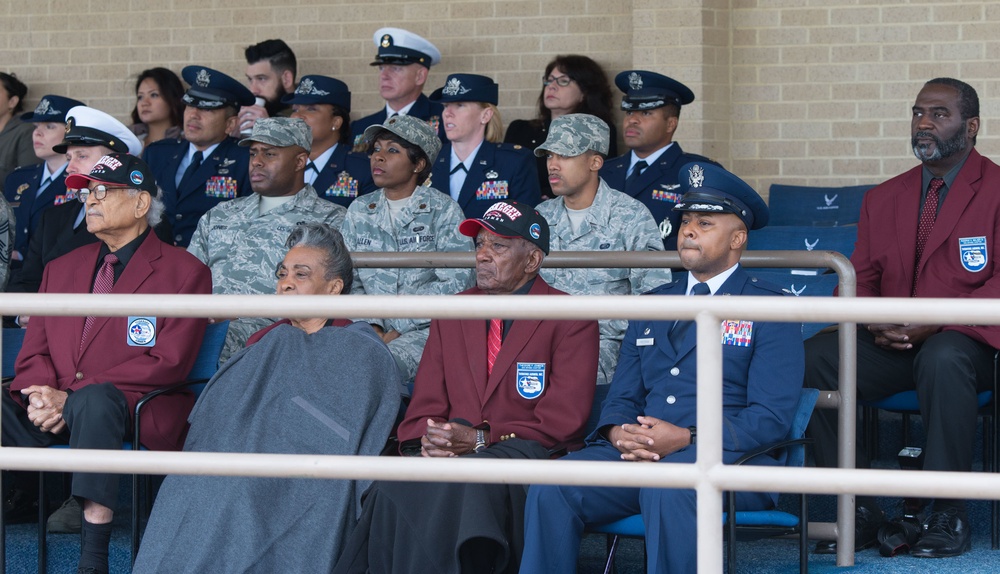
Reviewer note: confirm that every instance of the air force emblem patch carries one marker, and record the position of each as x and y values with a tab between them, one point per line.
141	332
972	251
530	380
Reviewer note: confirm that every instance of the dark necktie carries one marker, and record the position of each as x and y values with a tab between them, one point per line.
312	166
636	172
681	328
493	342
103	284
928	214
459	167
189	172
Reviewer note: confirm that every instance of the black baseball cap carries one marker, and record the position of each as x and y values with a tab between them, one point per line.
511	219
118	169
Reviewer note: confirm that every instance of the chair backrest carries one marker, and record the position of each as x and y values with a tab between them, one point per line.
807	402
804	238
13	338
819	206
207	361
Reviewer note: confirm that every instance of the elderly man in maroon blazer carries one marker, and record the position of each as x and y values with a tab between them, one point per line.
930	232
495	389
78	378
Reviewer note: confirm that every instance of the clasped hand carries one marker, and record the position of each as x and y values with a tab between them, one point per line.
447	439
650	440
45	407
901	337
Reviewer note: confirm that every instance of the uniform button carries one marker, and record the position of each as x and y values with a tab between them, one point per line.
671	400
179	217
79	375
675	371
178	238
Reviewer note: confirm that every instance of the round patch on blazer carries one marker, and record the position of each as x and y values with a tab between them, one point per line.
141	331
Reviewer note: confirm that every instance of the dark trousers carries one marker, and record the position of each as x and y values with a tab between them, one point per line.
947	371
96	418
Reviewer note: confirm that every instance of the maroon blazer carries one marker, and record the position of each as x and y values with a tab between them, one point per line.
51	354
451	380
886	247
260	334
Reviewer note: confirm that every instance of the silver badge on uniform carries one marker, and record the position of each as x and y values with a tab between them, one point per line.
696	176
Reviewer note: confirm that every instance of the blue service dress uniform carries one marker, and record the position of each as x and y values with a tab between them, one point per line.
346	176
20	189
763	364
499	171
223	175
423	109
658	187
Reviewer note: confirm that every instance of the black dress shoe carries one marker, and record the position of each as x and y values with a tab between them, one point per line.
866	525
20	506
945	533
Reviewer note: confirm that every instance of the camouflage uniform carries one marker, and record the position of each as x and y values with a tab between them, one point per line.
615	222
243	248
428	223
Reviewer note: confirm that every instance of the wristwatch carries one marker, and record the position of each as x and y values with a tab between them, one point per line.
694	434
480	441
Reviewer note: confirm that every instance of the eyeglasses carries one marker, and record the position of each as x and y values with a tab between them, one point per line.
561	81
100	192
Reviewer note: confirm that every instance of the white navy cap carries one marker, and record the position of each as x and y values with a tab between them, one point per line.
86	126
399	46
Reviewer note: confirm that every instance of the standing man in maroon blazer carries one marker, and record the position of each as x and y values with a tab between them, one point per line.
516	389
930	232
79	378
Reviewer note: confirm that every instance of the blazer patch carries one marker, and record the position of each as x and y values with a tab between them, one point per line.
141	332
530	380
972	251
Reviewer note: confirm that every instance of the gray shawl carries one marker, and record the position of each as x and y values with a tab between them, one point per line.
333	392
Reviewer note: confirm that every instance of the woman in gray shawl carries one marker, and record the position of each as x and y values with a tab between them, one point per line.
302	386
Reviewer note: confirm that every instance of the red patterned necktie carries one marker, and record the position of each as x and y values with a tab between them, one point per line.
493	342
103	283
927	216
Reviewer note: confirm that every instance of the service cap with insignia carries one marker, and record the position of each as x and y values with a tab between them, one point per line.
399	46
52	108
511	219
468	88
89	127
317	89
710	188
572	134
280	132
648	90
211	89
411	129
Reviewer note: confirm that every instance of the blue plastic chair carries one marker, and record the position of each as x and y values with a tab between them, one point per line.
816	206
804	238
205	365
802	286
906	404
746	524
13	338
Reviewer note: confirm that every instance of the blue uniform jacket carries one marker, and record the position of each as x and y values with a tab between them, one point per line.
763	365
20	188
423	108
221	176
658	187
499	171
346	176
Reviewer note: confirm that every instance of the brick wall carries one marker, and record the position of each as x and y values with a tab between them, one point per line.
796	91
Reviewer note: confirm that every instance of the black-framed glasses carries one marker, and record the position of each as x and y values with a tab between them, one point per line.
561	81
99	191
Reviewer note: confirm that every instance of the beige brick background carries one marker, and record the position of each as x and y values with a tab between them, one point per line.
794	91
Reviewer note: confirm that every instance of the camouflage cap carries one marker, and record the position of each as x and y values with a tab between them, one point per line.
572	134
414	130
281	132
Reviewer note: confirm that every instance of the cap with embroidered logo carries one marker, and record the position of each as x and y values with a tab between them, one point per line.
511	219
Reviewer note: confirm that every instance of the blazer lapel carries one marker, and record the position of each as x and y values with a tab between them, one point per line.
906	212
474	335
476	175
135	274
959	196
